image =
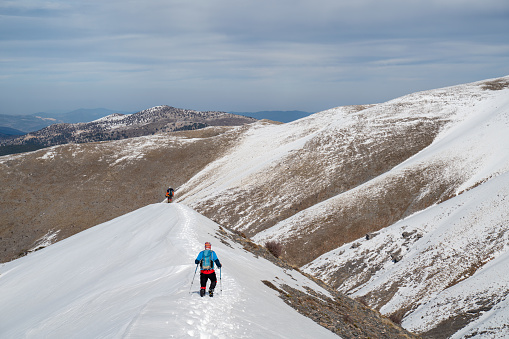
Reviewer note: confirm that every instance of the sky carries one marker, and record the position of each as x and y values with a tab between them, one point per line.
244	56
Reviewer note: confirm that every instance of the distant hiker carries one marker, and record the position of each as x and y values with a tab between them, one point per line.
206	259
170	192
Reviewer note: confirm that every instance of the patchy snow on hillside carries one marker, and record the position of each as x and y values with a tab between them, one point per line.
452	258
111	118
475	147
265	152
261	146
465	233
136	148
133	277
326	140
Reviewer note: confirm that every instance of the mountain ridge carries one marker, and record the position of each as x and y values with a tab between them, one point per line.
133	277
158	119
281	116
36	121
336	178
33	122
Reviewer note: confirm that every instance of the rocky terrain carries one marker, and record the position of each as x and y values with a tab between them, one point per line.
340	314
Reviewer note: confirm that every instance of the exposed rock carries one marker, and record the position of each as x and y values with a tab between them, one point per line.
397	256
371	235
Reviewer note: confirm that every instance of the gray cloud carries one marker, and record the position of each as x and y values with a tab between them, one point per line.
240	55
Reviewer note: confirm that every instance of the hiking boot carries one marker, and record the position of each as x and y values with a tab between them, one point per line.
202	292
211	293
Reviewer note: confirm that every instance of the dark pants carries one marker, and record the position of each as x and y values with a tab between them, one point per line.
205	277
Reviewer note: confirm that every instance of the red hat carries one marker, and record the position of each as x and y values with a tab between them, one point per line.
207	245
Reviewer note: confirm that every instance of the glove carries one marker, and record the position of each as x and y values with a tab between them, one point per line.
196	261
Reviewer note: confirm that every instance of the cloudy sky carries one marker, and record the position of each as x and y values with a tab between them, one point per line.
238	55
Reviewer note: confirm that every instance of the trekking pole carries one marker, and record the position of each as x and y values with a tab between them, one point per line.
220	280
193	278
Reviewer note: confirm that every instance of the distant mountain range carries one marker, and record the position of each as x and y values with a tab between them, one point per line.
34	122
83	115
281	116
120	126
6	132
22	124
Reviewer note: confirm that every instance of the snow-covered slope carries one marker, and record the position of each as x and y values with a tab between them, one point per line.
431	165
444	268
131	278
447	262
401	203
471	148
297	182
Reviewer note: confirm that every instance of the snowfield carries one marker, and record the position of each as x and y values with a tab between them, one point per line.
131	277
437	265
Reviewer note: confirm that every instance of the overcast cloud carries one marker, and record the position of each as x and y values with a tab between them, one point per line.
238	55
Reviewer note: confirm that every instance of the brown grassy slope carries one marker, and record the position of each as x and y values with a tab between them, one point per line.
365	210
330	164
350	148
75	187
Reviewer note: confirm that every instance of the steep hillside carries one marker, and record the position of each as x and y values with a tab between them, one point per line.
133	277
441	269
329	179
346	178
320	192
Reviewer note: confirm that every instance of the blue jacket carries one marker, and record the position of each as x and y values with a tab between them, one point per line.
214	259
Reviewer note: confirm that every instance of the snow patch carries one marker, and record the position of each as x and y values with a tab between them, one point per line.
46	240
